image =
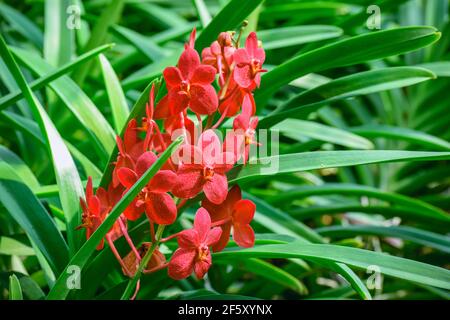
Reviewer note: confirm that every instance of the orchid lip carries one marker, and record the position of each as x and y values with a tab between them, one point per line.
202	253
208	173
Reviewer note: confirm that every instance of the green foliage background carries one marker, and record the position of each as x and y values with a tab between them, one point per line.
363	117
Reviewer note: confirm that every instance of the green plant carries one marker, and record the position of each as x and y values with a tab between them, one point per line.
361	183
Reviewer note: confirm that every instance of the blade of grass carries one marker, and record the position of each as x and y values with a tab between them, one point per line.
67	178
326	159
32	217
60	290
350	51
76	100
117	100
228	18
401	268
15	290
37	84
110	15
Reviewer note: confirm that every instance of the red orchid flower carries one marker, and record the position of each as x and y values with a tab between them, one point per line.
108	199
232	101
92	216
95	209
238	140
130	148
153	198
156	262
249	61
193	254
220	55
236	213
189	84
203	167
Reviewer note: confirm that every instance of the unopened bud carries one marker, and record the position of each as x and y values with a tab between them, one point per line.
224	39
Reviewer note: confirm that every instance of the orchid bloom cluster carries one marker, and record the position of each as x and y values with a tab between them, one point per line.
199	165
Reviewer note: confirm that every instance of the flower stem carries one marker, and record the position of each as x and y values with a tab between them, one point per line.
134	281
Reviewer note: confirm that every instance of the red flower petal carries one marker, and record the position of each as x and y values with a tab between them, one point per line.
127	177
189	155
203	75
213	236
94	205
224	237
225	162
235	143
210	147
244	235
178	101
216	189
133	211
202	267
102	195
203	99
189	184
188	62
172	75
161	208
162	110
202	224
89	189
144	162
188	239
251	44
163	181
240	56
244	210
181	264
243	76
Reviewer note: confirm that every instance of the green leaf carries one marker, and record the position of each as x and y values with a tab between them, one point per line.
202	11
110	15
75	99
15	290
144	44
137	111
281	223
399	133
32	130
326	159
426	238
58	38
269	272
19	167
67	178
299	129
358	49
228	18
361	83
420	208
440	68
32	217
293	36
117	100
389	265
43	81
12	247
163	17
60	290
22	24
